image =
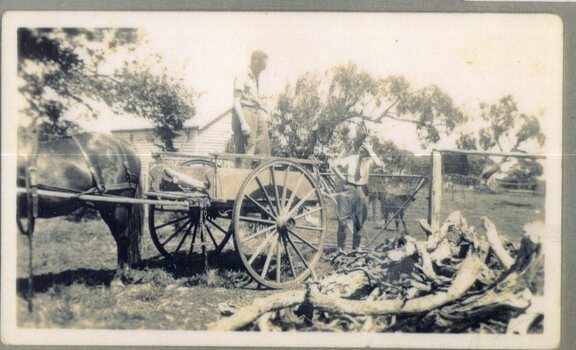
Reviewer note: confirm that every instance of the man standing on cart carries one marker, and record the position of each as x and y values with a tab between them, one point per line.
352	202
249	124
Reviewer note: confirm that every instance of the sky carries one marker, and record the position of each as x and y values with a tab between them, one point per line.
472	57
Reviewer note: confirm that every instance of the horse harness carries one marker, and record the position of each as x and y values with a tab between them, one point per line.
99	185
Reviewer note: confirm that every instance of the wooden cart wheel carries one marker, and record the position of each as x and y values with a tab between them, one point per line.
177	234
279	224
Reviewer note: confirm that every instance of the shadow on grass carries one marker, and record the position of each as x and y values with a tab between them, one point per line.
184	266
42	283
228	265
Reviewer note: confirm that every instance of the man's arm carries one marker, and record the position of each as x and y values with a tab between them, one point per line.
377	161
335	165
238	108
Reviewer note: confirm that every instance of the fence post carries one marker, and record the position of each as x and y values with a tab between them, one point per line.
435	197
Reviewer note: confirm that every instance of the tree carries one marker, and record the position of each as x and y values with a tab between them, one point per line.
323	111
70	71
159	98
58	68
505	129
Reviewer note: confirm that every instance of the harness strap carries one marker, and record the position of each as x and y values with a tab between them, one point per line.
99	186
98	183
130	176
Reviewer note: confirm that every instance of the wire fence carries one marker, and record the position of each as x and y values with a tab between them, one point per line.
508	188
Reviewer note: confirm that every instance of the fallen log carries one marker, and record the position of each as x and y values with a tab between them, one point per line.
447	283
496	244
251	313
427	267
346	284
464	279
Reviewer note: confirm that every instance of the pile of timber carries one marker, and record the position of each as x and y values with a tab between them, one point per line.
458	280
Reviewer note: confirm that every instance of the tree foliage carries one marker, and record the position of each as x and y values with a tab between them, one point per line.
159	98
69	71
323	111
505	129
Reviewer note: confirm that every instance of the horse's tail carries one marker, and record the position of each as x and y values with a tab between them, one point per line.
136	225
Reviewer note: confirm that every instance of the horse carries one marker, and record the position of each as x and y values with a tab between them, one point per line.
86	163
395	205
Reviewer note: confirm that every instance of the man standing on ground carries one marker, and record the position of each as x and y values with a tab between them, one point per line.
352	203
248	124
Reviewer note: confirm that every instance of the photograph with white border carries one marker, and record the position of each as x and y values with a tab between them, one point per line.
282	179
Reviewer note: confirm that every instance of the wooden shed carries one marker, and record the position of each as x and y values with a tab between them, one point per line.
210	136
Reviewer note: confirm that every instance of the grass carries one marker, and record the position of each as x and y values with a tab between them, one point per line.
75	262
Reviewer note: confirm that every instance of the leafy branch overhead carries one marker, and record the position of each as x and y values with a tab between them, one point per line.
504	129
74	71
320	109
161	99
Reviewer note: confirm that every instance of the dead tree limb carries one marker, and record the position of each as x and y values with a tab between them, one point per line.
496	244
405	287
251	313
464	279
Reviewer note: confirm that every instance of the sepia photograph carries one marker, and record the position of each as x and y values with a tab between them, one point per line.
302	179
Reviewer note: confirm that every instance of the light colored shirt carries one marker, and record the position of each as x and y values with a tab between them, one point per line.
349	164
247	85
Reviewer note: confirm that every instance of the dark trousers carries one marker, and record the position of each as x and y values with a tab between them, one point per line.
257	143
352	213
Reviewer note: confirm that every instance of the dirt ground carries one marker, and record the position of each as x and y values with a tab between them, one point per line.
74	264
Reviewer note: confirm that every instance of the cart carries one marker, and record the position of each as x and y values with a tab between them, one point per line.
274	213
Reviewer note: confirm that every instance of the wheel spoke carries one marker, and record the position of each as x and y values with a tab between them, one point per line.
269	258
176	233
278	260
303	240
183	238
294	191
211	236
267	229
289	257
259	248
260	221
171	222
298	253
285	187
306	213
301	202
217	226
260	206
311	228
268	199
276	193
193	239
202	238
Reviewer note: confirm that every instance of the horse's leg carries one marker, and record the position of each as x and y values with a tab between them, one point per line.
383	211
117	217
403	221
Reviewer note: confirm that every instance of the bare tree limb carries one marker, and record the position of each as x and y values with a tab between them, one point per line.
505	259
464	279
251	313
